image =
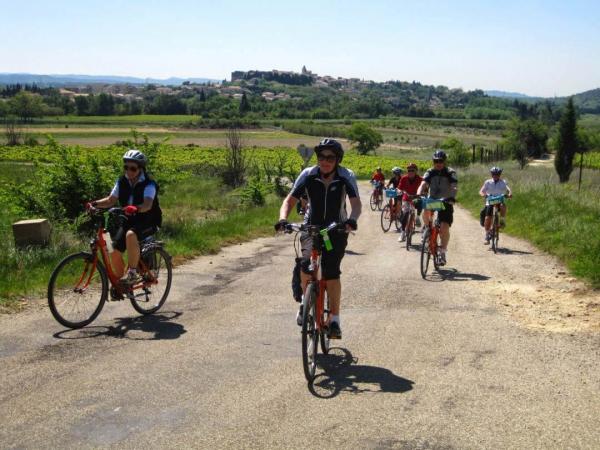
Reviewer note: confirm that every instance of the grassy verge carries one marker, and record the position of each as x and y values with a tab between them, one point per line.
200	217
556	218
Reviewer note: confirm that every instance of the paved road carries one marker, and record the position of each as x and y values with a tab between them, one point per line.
423	364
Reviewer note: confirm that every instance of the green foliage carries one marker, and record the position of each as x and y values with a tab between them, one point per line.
526	138
567	143
366	138
254	193
458	153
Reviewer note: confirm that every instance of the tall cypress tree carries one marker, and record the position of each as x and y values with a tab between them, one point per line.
567	142
244	104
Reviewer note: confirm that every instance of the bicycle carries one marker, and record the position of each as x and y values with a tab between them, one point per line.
409	229
431	238
315	309
388	213
376	199
79	284
494	234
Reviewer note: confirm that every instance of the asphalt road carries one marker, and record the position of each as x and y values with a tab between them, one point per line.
423	364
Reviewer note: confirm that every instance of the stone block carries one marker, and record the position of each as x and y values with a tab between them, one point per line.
31	232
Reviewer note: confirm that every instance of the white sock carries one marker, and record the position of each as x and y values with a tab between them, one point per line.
335	318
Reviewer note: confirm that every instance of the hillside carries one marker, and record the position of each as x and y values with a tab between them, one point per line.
69	80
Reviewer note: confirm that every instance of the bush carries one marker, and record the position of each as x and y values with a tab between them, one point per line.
458	154
365	137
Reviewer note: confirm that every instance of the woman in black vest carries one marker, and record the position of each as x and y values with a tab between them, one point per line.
137	194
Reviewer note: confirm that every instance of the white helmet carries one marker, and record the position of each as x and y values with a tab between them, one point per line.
136	156
397	171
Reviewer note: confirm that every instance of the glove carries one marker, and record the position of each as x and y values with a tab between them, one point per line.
130	210
450	200
351	223
280	226
90	206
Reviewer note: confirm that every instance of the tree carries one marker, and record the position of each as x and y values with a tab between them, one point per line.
82	105
526	139
458	154
236	162
244	104
567	142
365	138
26	105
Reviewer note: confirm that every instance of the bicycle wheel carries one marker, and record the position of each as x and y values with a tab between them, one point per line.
373	201
77	290
494	231
157	282
386	218
310	337
397	222
410	228
436	249
425	255
379	201
323	333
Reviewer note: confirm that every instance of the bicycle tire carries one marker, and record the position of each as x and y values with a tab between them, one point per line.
397	222
379	202
373	201
74	279
494	230
324	336
310	337
149	306
386	218
425	255
410	229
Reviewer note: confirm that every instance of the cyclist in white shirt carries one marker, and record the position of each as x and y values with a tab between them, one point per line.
494	186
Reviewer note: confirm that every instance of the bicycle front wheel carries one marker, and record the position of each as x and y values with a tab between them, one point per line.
157	276
425	255
373	201
310	336
410	228
77	290
494	231
324	334
386	218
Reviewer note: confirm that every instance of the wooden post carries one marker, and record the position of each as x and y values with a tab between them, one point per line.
473	162
481	155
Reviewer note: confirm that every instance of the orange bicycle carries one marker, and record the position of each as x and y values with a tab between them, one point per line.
79	285
430	249
315	310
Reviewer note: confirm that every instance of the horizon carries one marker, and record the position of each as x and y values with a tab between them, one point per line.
540	49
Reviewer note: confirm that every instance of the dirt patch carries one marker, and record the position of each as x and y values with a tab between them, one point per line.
557	303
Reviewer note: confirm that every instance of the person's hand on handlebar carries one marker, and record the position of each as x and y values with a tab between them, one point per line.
90	207
450	200
351	225
130	210
280	226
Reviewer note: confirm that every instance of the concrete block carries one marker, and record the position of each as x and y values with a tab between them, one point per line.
31	232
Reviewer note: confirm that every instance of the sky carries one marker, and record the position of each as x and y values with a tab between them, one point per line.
542	48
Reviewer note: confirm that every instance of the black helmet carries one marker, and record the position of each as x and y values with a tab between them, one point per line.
440	154
496	170
135	156
332	145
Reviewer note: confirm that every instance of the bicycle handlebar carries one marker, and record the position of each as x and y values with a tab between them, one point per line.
313	229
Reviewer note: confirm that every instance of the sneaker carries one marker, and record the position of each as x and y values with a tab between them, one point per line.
131	278
402	237
442	258
335	332
487	239
299	316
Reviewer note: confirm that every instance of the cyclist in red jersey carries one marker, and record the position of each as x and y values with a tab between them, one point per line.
409	184
378	176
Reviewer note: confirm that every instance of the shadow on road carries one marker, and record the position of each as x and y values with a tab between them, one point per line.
455	275
154	327
353	253
508	251
342	373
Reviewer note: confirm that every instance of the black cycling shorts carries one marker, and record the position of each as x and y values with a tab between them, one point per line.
447	215
330	260
141	234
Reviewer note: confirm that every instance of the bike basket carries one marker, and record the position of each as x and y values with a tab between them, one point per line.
495	199
391	193
433	204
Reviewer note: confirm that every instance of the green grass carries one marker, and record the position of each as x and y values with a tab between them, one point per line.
556	218
142	119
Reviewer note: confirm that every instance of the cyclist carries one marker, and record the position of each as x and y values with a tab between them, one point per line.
395	182
327	184
137	194
378	180
409	184
442	183
494	186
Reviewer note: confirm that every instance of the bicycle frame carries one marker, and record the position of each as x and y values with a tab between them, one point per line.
315	264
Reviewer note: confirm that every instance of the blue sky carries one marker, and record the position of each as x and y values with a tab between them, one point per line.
536	47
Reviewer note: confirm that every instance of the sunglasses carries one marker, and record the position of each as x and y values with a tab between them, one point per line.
438	161
411	170
328	158
131	168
